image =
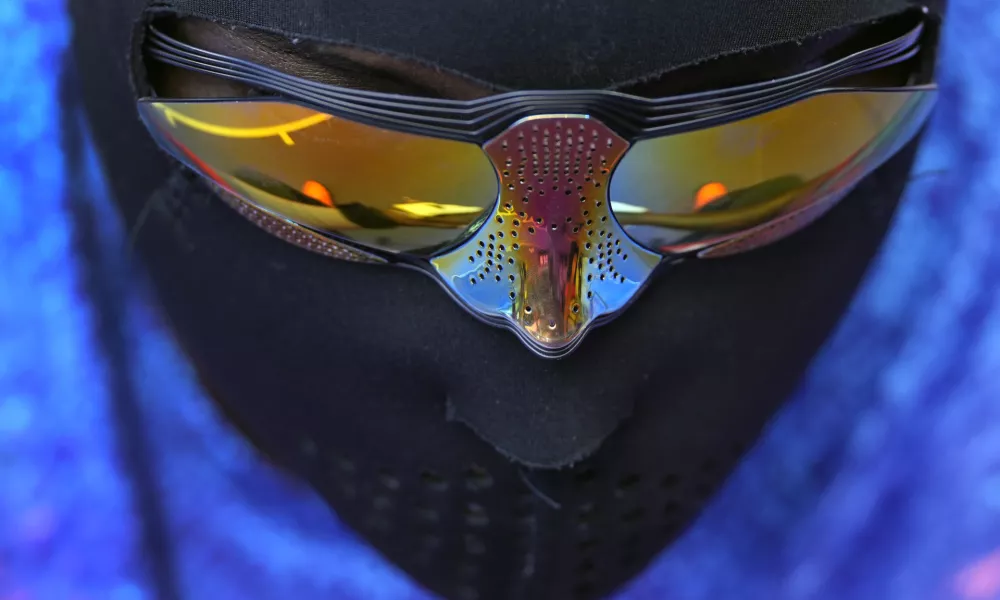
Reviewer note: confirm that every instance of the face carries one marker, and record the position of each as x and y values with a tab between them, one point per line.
607	452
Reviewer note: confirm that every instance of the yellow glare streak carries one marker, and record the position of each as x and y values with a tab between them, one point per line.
173	117
621	207
433	209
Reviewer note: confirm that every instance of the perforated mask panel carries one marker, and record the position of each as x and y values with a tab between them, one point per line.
550	261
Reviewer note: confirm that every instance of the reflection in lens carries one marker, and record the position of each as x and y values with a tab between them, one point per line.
318	192
705	185
733	211
709	193
359	215
385	189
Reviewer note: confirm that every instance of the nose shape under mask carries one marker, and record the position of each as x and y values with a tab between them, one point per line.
550	261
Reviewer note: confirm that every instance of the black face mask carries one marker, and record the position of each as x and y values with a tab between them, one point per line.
482	470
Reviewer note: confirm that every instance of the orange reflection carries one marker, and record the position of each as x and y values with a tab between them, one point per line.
318	192
708	193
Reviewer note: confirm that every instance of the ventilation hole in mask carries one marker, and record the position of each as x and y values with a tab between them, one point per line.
702	490
583	589
586	513
431	542
466	593
433	481
474	545
671	509
670	528
468	571
629	555
388	480
586	476
627	484
308	448
709	467
427	515
345	470
377	523
633	516
629	558
527	528
586	567
349	490
424	559
526	524
588	544
475	515
670	482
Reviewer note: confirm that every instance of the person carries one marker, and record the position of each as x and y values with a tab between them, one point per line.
480	468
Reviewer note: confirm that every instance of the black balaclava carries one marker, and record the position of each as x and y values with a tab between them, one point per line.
482	470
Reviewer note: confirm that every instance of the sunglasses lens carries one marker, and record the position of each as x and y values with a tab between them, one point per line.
384	189
696	187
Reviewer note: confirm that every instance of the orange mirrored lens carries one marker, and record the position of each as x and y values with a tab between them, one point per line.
708	184
385	189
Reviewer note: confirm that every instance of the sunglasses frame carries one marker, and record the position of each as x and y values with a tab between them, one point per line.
479	121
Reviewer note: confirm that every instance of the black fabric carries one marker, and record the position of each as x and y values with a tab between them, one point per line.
361	379
549	44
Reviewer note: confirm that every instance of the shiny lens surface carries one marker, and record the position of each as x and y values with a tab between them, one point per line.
696	187
384	189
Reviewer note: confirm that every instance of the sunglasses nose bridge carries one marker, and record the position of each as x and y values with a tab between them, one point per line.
551	259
